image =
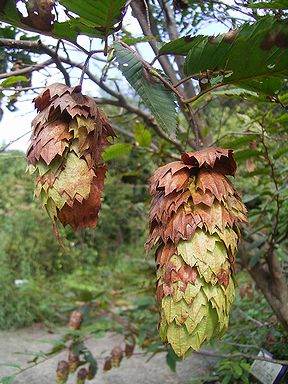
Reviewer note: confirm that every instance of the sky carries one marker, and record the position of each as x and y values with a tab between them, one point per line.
18	124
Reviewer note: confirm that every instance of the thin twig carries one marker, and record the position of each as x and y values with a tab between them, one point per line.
23	89
38	47
29	69
250	133
85	65
3	149
254	321
148	119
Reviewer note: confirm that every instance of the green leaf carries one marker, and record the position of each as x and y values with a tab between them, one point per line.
280	152
13	80
179	46
8	379
57	347
246	154
103	15
159	99
241	141
92	362
96	18
238	370
260	171
171	359
242	93
257	50
142	136
277	5
227	379
136	40
116	150
254	57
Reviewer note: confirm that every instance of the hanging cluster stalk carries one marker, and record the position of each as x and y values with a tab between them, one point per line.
69	135
193	220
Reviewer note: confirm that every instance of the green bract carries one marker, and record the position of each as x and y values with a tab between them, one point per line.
193	220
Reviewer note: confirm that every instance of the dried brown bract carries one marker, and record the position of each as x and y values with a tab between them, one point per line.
69	135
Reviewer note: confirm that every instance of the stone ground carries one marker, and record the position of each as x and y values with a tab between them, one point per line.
15	347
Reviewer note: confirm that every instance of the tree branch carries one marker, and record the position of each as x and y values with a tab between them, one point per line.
120	101
39	47
3	149
24	71
171	27
142	20
147	118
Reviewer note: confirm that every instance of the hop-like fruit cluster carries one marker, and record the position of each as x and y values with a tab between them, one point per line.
193	220
69	135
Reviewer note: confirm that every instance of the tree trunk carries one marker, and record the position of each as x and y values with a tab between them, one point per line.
270	279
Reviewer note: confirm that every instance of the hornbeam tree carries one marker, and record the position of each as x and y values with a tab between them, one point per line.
195	208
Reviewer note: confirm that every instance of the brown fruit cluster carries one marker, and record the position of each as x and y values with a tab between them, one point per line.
193	220
69	135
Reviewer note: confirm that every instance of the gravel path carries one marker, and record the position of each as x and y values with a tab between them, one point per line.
15	347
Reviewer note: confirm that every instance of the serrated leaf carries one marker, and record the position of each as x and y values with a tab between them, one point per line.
179	46
255	56
230	238
160	100
241	141
246	154
95	18
163	327
200	330
116	150
280	152
261	50
102	15
192	322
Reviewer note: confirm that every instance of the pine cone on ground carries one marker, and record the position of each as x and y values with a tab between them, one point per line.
69	135
193	220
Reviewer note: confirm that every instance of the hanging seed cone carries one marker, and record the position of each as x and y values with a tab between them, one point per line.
69	135
193	220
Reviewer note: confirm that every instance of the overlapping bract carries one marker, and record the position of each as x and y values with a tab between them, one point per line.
193	220
69	135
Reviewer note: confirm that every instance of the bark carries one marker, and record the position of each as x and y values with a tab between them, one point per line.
270	279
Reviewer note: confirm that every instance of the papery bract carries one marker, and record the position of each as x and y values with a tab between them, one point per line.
69	135
193	221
